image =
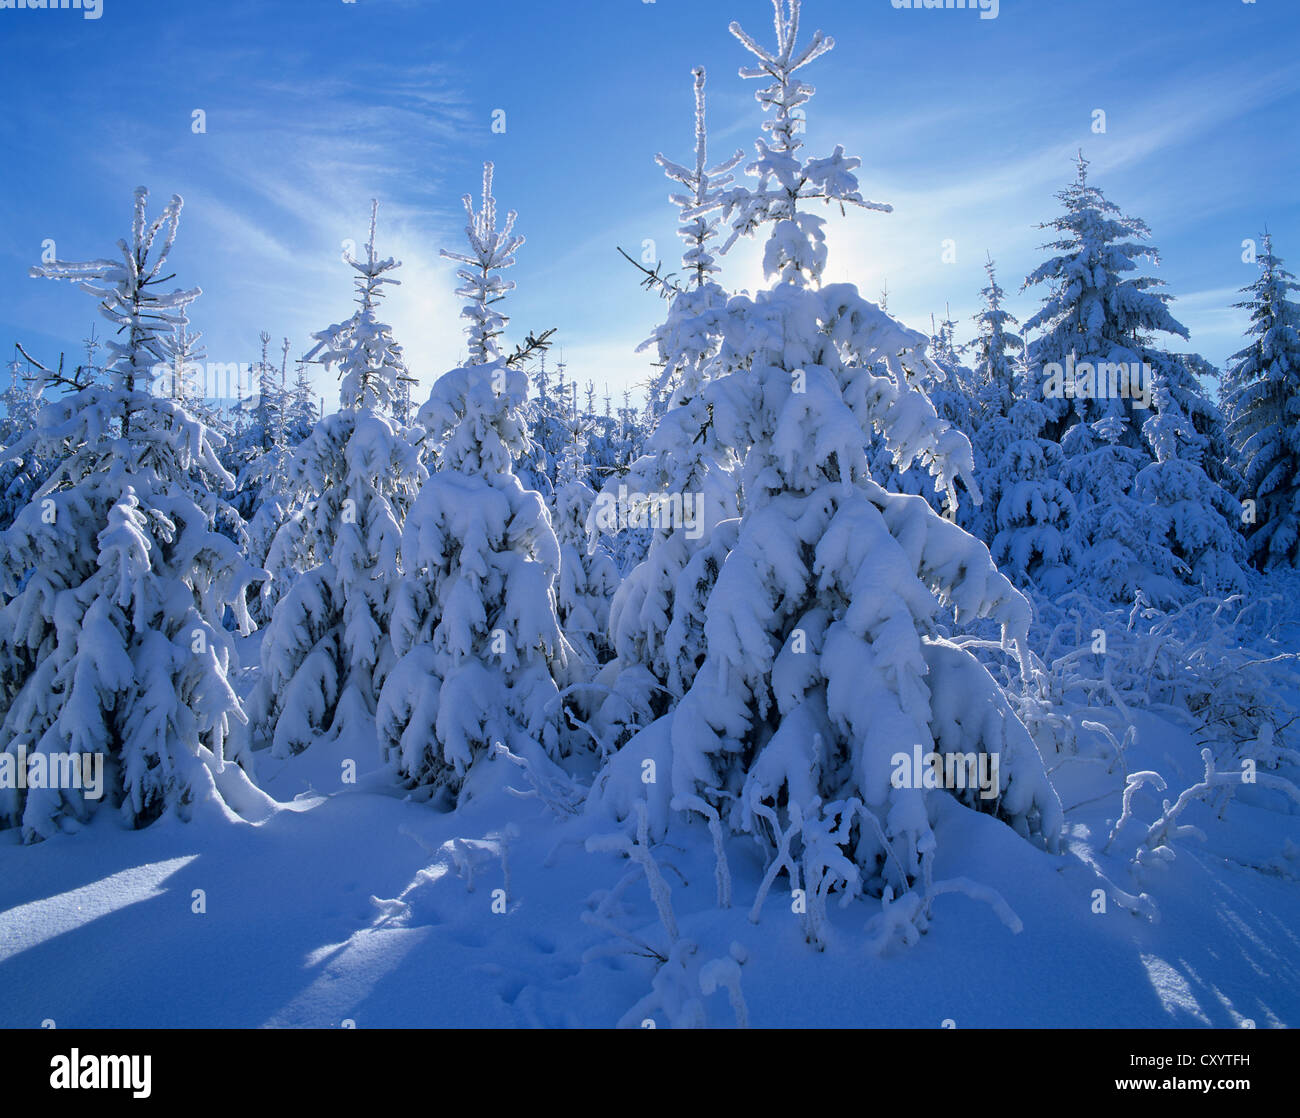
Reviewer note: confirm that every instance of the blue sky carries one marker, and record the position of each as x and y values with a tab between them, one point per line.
966	126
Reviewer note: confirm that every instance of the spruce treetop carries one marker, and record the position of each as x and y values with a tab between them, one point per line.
704	186
369	360
796	248
1091	309
492	249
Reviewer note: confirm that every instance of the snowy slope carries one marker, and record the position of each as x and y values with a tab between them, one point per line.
98	928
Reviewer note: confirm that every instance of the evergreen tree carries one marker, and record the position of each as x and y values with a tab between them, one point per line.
1099	342
116	585
301	413
821	627
655	630
1116	552
996	350
1262	398
1094	313
549	424
587	576
260	433
335	560
1028	516
482	655
21	403
264	480
21	468
1188	513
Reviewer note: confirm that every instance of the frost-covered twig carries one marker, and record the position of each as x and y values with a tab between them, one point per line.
782	859
561	796
653	278
538	344
639	852
726	973
722	871
1132	783
1130	736
1167	827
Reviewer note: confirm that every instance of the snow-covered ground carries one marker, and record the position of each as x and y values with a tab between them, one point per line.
351	903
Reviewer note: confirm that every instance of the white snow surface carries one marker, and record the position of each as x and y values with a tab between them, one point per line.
349	902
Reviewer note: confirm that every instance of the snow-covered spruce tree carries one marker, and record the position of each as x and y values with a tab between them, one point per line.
491	251
823	654
1027	513
301	412
254	432
22	401
116	585
996	350
549	416
687	339
326	651
1093	313
185	383
267	411
184	354
1190	514
797	243
1028	516
482	656
1117	554
951	389
677	493
264	480
1150	519
402	406
625	443
1262	399
1098	335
